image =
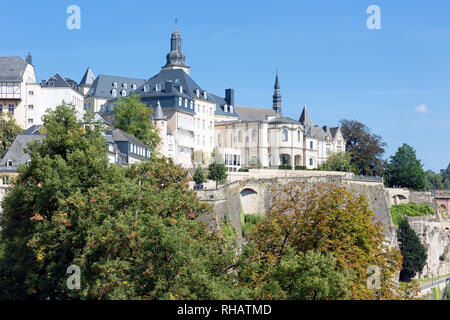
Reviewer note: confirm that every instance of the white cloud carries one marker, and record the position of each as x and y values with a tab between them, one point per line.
422	109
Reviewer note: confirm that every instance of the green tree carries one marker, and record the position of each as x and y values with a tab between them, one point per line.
328	219
133	231
134	117
413	252
366	148
217	171
199	175
339	161
433	181
445	173
9	130
405	170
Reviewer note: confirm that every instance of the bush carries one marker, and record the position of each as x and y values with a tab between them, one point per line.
409	209
285	167
243	170
300	167
199	176
250	220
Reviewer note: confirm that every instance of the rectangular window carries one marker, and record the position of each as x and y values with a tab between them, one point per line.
311	145
31	93
30	107
1	108
11	109
30	120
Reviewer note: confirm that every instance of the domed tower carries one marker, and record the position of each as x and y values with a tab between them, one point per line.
175	58
277	96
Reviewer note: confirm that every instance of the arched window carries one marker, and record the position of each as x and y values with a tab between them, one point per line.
299	136
254	135
231	109
240	136
197	93
133	86
311	161
124	85
124	93
225	108
114	93
205	95
114	84
285	135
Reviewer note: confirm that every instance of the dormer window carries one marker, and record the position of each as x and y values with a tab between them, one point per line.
180	101
185	103
177	82
231	109
114	93
114	84
124	93
51	83
124	85
133	86
225	108
146	87
158	87
9	163
192	104
197	93
205	95
181	89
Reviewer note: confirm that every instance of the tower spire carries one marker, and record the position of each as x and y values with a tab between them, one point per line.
175	58
277	96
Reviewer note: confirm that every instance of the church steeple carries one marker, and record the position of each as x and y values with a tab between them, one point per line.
175	58
277	96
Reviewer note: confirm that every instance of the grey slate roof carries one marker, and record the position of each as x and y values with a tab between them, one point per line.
305	119
284	120
103	85
12	68
254	114
34	129
56	81
16	152
334	131
88	78
119	136
220	106
159	114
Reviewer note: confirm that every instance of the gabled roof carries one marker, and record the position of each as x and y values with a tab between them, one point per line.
305	119
254	114
88	78
57	82
12	68
121	136
16	152
103	85
334	131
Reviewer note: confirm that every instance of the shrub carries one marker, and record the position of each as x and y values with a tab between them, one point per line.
411	210
199	176
250	221
285	167
243	170
300	167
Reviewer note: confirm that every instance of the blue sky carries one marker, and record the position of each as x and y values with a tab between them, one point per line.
395	80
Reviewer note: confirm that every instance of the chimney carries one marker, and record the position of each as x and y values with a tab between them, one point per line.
229	96
168	86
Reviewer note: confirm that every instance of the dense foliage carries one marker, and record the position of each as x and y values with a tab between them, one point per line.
405	170
366	148
331	221
9	130
134	117
199	175
132	231
413	252
410	209
339	161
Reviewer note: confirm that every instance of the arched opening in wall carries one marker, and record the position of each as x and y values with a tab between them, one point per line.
285	159
443	211
250	201
398	199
